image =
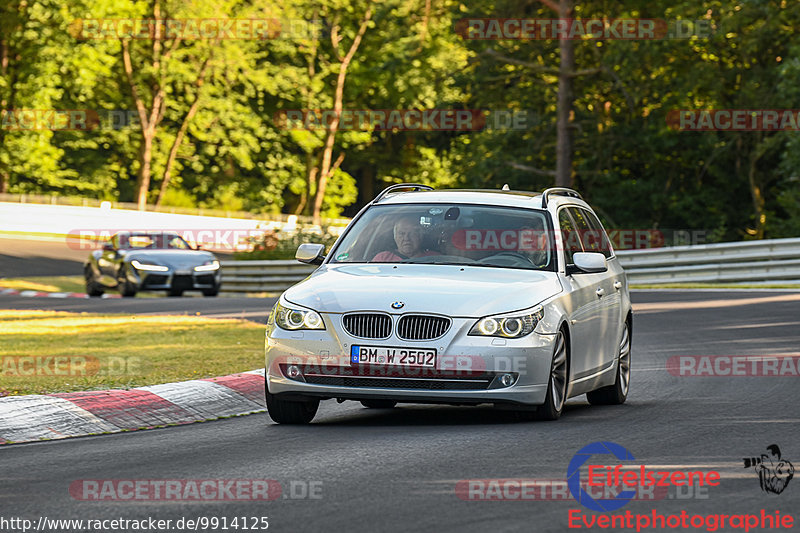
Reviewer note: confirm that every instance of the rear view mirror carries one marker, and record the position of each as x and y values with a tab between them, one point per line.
310	253
588	263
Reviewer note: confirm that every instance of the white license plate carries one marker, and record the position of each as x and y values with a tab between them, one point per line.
385	355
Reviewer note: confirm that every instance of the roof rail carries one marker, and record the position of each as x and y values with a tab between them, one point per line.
559	191
392	188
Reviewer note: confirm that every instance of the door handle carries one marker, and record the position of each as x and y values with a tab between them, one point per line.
601	292
618	285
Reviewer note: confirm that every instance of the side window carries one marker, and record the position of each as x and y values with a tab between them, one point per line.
569	234
598	234
589	239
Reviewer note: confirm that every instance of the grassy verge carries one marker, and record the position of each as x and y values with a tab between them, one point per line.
45	283
47	351
717	286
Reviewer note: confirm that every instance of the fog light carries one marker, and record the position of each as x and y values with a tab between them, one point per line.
506	380
294	372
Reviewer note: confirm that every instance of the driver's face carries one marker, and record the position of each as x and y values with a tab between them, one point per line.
408	238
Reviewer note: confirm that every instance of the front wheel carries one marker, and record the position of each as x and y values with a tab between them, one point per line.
92	287
211	292
556	385
175	292
126	288
617	393
290	412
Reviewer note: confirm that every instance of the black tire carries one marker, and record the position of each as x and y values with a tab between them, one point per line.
211	292
92	287
175	292
290	412
617	393
557	383
378	404
125	287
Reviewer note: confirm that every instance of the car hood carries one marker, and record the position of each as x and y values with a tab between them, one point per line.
171	258
450	290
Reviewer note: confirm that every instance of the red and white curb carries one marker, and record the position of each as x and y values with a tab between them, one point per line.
40	294
73	414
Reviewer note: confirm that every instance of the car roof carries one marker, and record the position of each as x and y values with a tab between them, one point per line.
525	199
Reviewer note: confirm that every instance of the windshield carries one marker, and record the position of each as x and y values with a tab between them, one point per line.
162	241
449	234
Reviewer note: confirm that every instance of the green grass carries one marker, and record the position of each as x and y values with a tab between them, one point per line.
45	283
716	286
119	351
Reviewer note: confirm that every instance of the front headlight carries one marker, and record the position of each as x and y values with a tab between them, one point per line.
208	266
510	326
149	267
293	318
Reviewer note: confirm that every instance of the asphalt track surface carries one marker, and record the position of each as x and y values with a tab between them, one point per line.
397	470
35	256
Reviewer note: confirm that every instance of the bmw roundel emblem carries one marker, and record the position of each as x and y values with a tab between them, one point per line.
397	305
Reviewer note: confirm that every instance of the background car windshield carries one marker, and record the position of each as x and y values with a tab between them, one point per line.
460	234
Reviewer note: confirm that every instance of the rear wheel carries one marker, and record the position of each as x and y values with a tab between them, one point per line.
290	412
378	404
92	287
617	393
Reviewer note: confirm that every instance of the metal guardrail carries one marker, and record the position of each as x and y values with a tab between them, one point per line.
262	276
752	262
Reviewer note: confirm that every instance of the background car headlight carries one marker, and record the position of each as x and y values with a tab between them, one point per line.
293	318
145	266
508	326
207	266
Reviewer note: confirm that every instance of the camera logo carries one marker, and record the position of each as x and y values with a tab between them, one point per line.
774	473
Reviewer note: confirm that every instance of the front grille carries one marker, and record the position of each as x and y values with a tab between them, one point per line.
422	327
155	279
401	383
182	282
368	325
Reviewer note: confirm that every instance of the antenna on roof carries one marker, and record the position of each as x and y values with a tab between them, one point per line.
506	187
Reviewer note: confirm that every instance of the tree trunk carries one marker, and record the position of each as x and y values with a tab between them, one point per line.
311	175
143	180
565	100
327	167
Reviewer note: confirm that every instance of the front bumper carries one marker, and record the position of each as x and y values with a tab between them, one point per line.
184	280
467	368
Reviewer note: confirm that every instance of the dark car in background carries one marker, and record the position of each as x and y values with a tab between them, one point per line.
134	261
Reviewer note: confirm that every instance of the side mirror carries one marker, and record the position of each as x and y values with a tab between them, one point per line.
588	263
310	253
108	247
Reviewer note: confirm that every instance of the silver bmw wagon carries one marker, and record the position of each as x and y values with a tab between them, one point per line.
463	297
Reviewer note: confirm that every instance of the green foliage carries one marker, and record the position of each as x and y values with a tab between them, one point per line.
637	171
277	244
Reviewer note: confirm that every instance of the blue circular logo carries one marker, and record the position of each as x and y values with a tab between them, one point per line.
397	305
574	476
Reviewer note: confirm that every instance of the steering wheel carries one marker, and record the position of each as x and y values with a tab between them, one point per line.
516	255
